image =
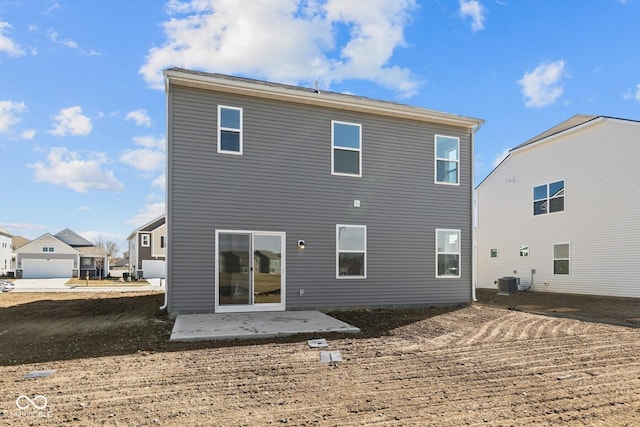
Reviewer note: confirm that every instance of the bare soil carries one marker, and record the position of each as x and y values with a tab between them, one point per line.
523	359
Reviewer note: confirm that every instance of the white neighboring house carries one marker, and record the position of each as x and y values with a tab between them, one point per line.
148	250
5	252
66	254
560	211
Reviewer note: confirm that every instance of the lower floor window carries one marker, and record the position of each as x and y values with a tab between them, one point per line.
447	253
351	251
561	258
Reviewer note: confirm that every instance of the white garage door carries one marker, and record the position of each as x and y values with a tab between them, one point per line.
47	269
154	269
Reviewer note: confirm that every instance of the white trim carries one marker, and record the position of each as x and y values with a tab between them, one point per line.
459	253
338	251
221	128
553	257
239	308
261	89
358	150
144	244
436	159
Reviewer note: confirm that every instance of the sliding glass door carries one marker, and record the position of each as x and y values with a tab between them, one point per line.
249	271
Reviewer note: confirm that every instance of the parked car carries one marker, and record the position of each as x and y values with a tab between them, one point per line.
6	286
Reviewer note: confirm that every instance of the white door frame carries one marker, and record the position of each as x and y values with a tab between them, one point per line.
237	308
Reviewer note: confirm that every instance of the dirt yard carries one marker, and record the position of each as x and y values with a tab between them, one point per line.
524	359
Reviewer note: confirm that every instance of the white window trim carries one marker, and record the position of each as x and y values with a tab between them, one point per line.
338	252
436	159
459	253
548	198
142	240
221	128
334	148
553	256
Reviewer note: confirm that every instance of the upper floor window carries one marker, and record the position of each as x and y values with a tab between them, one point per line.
48	249
162	241
229	130
548	198
351	251
448	253
346	148
145	240
447	160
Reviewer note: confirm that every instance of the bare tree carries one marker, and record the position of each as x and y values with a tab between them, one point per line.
110	247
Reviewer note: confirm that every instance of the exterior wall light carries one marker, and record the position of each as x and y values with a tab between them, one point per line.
302	244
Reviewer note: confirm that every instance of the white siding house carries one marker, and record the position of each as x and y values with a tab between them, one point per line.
560	212
5	252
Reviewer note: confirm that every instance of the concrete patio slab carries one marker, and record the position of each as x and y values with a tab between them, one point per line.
229	326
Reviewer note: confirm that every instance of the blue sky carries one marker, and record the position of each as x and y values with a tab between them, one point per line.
82	104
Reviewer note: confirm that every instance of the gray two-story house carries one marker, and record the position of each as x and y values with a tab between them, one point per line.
284	198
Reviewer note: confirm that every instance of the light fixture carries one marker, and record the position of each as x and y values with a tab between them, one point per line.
302	244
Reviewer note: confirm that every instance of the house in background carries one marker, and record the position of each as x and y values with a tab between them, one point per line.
6	249
65	254
283	198
148	249
560	213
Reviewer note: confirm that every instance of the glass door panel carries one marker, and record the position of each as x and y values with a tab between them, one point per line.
267	268
234	269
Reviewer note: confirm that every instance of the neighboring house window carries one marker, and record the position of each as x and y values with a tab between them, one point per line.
86	262
229	130
524	250
448	253
47	249
351	251
548	198
346	148
447	160
162	241
561	258
145	240
493	253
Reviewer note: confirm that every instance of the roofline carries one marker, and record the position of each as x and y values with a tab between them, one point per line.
137	230
299	95
537	142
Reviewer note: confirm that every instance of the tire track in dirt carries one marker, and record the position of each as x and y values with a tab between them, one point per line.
475	366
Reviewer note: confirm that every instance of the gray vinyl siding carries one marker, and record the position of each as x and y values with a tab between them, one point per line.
282	182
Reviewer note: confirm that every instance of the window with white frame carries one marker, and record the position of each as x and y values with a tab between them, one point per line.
145	240
351	251
447	253
548	198
229	130
447	160
48	249
561	258
346	148
524	250
493	252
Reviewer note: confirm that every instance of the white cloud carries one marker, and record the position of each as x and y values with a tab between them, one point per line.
9	111
71	121
474	10
66	168
53	36
288	41
6	44
28	134
542	86
160	182
140	117
638	93
152	210
500	157
149	158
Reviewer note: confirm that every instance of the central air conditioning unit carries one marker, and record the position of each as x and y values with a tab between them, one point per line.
508	285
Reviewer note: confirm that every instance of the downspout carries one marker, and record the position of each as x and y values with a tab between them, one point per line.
474	210
166	258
